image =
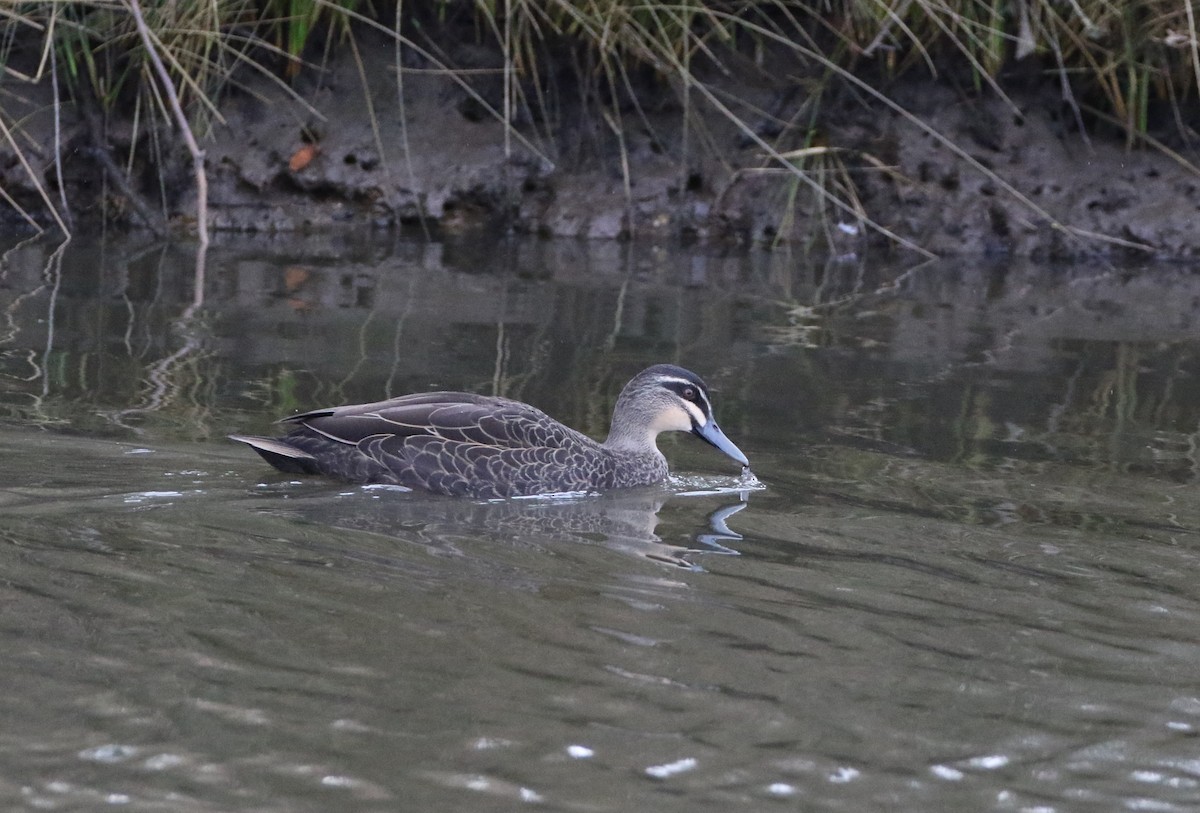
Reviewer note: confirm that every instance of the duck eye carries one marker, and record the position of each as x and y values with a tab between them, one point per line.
689	393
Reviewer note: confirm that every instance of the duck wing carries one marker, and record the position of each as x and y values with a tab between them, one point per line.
451	443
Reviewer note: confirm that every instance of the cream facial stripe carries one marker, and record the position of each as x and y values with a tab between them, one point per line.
696	414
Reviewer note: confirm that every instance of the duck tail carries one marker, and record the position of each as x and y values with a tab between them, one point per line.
281	454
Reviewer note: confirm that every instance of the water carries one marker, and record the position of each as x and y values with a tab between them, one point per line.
969	582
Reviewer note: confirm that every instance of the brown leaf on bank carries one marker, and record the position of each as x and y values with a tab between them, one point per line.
303	157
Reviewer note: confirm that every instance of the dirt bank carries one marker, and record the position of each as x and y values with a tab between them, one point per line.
968	175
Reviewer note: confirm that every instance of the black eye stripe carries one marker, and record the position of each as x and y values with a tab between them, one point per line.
699	396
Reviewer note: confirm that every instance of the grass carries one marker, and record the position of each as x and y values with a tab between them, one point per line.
1133	66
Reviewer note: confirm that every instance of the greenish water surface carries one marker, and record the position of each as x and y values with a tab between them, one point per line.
968	580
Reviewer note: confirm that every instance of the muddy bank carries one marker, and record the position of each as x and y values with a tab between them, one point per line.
1020	182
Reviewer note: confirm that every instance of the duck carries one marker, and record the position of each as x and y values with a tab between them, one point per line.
469	445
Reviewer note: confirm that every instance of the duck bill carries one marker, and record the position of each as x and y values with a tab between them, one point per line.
711	433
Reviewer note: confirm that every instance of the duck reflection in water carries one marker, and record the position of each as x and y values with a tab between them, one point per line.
623	521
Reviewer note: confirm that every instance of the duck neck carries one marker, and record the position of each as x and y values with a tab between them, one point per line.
636	459
628	440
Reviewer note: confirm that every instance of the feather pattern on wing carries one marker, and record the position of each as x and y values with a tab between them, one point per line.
454	443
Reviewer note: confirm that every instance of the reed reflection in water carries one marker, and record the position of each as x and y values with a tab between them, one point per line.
968	583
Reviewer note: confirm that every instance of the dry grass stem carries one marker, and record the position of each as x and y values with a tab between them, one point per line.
1135	66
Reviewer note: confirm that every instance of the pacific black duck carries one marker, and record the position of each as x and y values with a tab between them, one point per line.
463	444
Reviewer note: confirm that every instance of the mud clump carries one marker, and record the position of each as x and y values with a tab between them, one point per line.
974	177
